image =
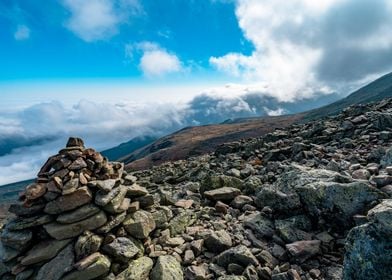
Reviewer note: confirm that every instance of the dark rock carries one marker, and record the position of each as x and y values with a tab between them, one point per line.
240	255
44	251
368	254
218	241
58	266
260	225
75	142
121	249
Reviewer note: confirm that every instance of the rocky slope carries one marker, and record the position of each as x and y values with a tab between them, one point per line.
312	201
200	140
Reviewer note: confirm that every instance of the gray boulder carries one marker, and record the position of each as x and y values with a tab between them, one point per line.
368	247
167	267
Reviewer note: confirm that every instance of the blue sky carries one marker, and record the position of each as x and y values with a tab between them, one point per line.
51	42
111	70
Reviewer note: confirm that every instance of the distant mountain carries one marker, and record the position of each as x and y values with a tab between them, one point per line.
375	91
198	140
203	139
124	149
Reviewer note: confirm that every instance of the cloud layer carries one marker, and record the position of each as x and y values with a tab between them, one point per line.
30	135
302	47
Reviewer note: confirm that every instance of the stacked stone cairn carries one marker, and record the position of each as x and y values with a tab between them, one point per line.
83	218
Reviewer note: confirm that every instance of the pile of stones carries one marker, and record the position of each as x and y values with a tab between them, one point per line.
313	201
83	218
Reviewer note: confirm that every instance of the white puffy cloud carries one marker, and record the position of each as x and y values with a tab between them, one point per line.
155	61
98	19
303	47
22	32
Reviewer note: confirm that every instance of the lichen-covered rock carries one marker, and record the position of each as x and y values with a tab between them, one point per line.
167	267
90	268
64	231
87	244
179	223
336	200
139	224
121	249
138	269
368	247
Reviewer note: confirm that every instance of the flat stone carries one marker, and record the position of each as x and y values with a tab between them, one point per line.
135	191
303	250
99	265
139	224
57	267
106	185
184	203
167	267
69	202
24	223
21	210
17	240
64	231
78	214
87	244
240	255
138	269
7	253
121	249
223	194
43	251
112	223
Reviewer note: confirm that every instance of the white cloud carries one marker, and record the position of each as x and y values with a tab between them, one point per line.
99	19
303	46
22	32
155	61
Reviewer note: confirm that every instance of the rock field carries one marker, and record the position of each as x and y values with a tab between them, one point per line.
313	201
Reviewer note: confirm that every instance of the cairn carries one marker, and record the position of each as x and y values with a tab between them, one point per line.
83	218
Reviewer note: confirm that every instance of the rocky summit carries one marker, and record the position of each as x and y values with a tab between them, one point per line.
312	201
